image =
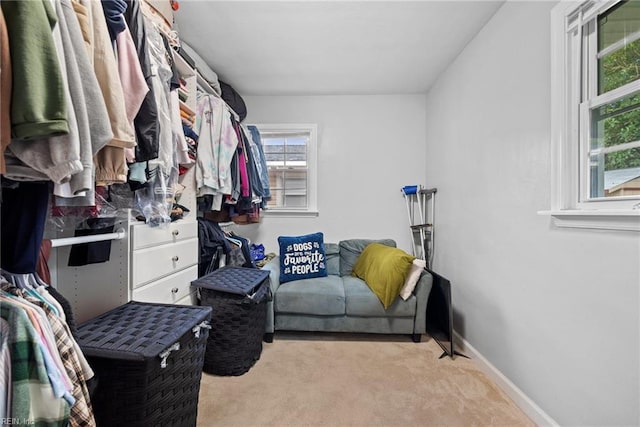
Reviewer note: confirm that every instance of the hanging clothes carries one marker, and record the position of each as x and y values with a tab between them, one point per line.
42	264
5	91
161	81
113	10
5	375
217	145
181	146
55	157
132	78
213	241
88	104
58	376
212	246
66	367
245	247
38	109
106	71
31	393
243	159
24	212
110	162
146	121
252	166
261	163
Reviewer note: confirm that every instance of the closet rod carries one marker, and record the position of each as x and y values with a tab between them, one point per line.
66	241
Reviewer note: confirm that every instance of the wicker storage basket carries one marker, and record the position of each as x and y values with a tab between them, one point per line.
239	298
148	362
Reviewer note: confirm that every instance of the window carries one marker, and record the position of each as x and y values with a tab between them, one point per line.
596	112
290	151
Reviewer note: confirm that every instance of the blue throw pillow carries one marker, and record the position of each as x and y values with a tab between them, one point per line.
302	257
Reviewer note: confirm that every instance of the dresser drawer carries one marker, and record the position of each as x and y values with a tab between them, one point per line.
143	236
188	300
173	289
158	261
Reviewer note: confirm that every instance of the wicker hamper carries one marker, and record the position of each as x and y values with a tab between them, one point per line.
148	362
238	296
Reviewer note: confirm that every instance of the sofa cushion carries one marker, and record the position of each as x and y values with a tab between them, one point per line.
318	296
384	269
360	301
350	251
332	252
302	257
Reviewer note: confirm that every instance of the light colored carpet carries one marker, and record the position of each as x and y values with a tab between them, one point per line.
351	380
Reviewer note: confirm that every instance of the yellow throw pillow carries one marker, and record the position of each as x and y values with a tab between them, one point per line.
384	269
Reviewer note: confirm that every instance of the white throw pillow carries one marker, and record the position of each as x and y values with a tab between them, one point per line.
412	278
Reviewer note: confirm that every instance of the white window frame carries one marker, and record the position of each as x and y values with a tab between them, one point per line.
570	206
312	168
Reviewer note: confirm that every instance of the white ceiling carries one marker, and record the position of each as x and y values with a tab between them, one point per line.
330	47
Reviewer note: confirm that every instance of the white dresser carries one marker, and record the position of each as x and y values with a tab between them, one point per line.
164	261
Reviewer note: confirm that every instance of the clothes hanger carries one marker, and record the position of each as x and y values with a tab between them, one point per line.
20	281
39	281
234	241
28	282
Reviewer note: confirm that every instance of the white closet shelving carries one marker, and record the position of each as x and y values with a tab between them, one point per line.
149	264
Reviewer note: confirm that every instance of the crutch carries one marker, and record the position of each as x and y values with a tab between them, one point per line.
412	194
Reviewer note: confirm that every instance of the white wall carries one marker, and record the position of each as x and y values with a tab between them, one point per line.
555	310
369	147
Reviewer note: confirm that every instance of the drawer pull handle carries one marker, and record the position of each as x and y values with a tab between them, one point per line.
175	258
175	232
174	290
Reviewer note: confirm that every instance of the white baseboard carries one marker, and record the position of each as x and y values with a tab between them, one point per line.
523	401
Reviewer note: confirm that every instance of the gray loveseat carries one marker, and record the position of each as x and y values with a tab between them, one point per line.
341	302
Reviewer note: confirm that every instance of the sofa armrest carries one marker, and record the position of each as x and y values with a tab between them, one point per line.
422	291
273	267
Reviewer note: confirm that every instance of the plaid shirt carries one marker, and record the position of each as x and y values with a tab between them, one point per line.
5	370
81	412
32	398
